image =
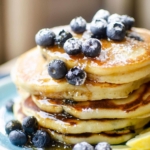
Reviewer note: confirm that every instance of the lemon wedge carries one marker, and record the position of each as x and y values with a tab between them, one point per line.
140	142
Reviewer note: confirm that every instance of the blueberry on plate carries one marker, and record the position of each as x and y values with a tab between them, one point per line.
103	146
78	25
18	137
57	69
116	31
83	146
62	37
41	139
101	14
98	27
30	125
72	46
127	21
91	47
76	76
114	18
9	105
12	125
45	37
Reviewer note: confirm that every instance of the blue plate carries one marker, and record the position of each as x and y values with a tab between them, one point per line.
7	92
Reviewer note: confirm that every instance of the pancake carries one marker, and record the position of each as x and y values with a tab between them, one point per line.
67	124
136	105
119	62
114	136
74	138
92	138
35	80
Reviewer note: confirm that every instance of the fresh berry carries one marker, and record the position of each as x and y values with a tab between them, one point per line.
12	125
116	31
101	14
41	139
114	18
88	34
103	146
78	25
18	137
76	76
91	47
98	28
9	105
127	21
30	124
45	37
83	146
72	46
62	37
57	69
134	36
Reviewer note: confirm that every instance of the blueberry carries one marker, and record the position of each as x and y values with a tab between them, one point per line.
45	37
78	25
98	28
114	18
83	146
103	146
12	125
72	46
41	139
18	137
101	14
57	69
9	105
30	124
91	47
116	31
127	21
76	76
88	34
62	37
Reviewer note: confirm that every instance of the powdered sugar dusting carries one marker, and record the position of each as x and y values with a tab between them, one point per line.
103	56
121	53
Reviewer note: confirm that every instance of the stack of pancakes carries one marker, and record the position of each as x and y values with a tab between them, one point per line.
113	104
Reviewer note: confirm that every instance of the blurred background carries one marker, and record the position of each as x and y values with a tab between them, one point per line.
21	19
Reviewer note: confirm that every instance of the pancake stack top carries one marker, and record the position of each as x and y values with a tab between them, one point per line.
88	82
